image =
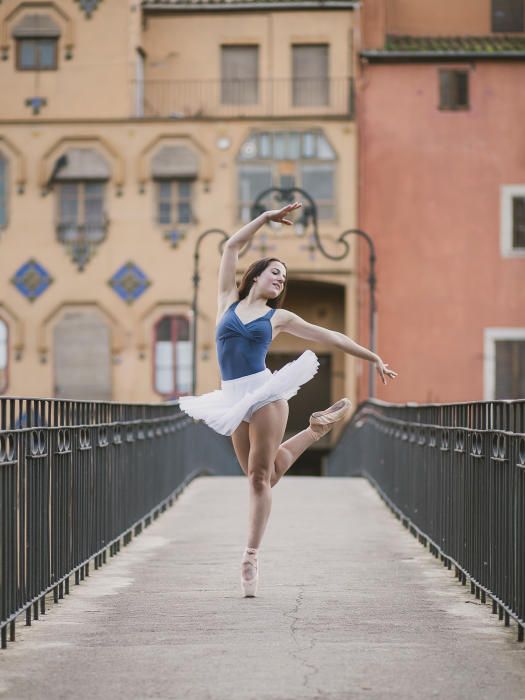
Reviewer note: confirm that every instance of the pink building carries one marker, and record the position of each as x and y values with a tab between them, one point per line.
441	114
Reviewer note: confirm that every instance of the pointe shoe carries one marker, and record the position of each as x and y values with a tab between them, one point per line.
249	585
321	422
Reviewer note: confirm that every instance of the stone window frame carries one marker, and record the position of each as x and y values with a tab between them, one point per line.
507	193
49	7
171	315
491	335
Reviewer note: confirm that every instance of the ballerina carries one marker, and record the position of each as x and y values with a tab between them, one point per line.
252	404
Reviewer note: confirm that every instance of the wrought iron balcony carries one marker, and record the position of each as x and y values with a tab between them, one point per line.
277	97
82	239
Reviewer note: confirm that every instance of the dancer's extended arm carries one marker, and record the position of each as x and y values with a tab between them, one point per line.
238	240
295	325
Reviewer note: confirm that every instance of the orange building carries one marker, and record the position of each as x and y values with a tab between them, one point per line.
440	113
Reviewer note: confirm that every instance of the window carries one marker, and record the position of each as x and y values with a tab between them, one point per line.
174	202
173	356
512	223
518	222
80	179
36	54
510	369
287	159
507	15
3	355
253	180
239	75
81	212
453	89
174	169
318	181
3	191
310	82
36	39
504	364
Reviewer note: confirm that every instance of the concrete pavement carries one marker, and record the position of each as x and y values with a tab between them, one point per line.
350	605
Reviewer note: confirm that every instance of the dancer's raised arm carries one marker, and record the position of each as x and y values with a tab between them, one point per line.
240	238
295	325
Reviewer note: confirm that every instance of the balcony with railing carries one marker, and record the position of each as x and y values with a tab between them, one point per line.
276	97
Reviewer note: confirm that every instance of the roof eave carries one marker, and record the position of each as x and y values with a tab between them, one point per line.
385	56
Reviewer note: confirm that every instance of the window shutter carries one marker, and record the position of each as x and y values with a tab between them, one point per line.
175	161
310	74
239	74
84	164
507	15
518	222
510	369
36	26
453	89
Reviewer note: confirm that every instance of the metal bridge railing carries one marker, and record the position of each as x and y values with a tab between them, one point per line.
76	477
455	475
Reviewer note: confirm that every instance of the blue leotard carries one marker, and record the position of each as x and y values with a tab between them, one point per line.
242	347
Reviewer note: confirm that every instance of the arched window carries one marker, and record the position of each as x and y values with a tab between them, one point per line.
4	336
173	356
36	39
3	191
80	181
174	170
302	159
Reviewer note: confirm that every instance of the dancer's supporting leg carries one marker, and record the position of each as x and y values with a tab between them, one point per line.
266	431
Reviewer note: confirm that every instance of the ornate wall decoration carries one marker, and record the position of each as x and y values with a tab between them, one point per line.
129	282
31	279
89	6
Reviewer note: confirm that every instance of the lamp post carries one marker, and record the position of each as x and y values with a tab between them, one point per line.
196	280
309	213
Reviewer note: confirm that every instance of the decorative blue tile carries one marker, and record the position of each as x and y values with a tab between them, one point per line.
31	279
129	282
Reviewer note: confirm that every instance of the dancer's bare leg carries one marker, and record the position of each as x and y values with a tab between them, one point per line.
287	453
266	431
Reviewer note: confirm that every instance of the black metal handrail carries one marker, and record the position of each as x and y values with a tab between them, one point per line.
76	477
455	475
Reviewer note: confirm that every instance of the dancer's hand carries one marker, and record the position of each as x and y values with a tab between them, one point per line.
383	369
278	214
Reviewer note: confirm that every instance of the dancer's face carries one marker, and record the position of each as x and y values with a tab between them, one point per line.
271	280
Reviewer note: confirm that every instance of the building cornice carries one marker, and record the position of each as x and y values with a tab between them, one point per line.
245	5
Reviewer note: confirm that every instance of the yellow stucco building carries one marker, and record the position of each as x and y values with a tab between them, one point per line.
127	130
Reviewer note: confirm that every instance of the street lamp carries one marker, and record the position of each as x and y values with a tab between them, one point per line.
309	214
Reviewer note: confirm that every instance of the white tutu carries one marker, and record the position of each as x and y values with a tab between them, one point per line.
237	399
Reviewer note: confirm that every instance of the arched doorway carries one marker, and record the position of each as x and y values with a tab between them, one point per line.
323	304
82	357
